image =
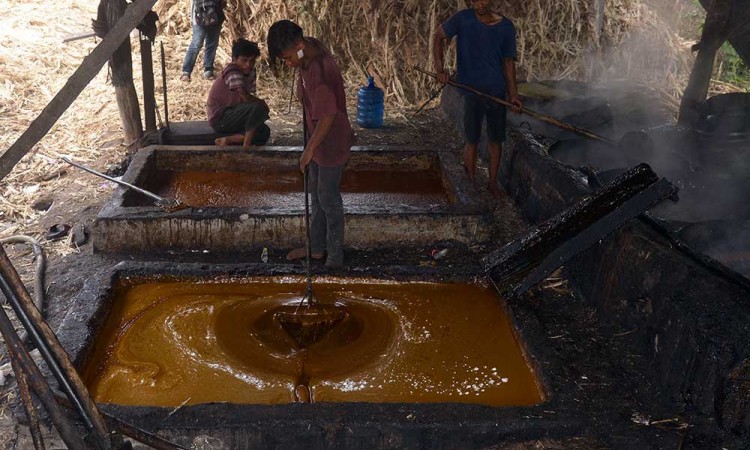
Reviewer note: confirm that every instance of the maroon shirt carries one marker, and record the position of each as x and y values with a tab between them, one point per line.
225	91
321	89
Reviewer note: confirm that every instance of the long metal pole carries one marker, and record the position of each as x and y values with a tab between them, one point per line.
164	85
53	353
308	244
435	93
537	115
17	351
114	180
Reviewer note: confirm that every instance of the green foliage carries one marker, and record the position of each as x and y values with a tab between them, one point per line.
731	68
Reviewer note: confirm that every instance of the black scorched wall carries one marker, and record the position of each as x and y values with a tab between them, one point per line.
690	326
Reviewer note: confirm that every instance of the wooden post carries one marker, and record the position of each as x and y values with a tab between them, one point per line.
121	65
149	96
715	32
77	82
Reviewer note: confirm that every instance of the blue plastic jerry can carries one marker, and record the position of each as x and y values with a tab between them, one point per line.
370	105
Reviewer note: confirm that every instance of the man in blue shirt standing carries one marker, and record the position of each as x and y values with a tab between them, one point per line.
486	52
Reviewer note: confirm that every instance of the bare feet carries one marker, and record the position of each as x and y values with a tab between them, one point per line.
469	173
301	252
234	139
495	191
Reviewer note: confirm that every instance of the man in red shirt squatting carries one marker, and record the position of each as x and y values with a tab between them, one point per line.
232	105
321	90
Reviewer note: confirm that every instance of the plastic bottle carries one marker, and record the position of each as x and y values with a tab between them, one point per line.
370	105
264	255
438	254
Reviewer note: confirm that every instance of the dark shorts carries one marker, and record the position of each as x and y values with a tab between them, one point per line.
245	117
475	110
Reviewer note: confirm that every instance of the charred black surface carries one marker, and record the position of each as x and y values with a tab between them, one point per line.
507	265
677	327
631	209
686	325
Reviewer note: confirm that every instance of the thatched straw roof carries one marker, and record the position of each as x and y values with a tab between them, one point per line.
555	39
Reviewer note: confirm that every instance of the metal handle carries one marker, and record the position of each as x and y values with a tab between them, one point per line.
114	180
308	244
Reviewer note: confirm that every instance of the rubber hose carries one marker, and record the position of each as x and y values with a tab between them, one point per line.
40	263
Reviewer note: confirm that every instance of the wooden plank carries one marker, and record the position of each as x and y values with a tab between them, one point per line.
641	202
712	265
77	82
121	74
510	263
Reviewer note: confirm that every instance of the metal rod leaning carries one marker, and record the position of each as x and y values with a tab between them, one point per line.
53	353
167	204
114	180
432	97
34	376
164	85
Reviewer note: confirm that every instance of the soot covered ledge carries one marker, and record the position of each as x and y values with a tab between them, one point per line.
361	422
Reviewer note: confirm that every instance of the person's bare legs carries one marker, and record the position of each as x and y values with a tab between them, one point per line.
494	149
247	143
470	160
230	140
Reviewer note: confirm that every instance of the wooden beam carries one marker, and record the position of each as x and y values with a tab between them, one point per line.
632	208
77	82
508	266
121	74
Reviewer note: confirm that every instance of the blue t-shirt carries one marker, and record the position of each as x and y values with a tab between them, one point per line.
480	50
